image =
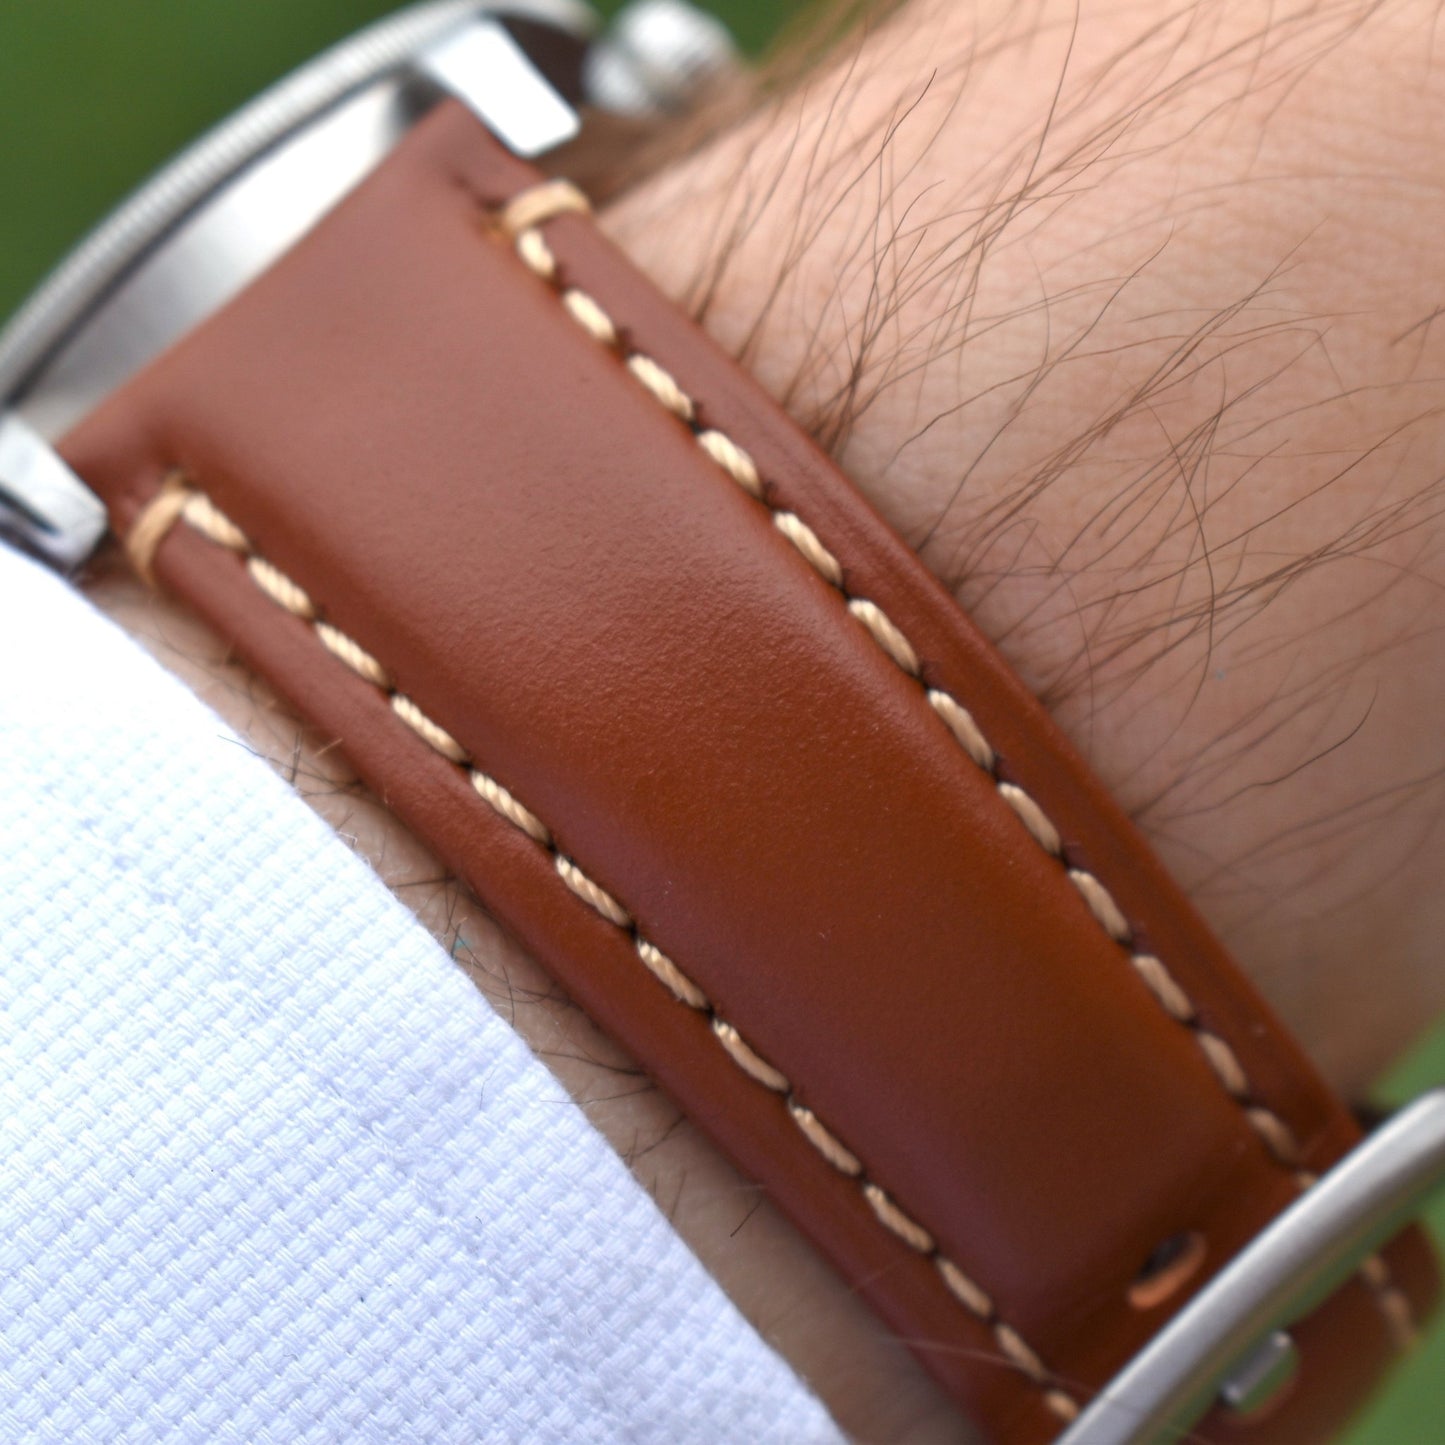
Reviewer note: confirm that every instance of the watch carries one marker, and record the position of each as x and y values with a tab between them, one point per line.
361	381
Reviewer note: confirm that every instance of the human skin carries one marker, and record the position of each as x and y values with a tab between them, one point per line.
1125	316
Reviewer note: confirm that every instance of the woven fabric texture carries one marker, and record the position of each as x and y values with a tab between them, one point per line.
270	1168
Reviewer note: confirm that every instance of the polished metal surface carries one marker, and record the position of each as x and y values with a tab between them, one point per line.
487	70
232	203
58	514
108	254
1285	1272
1262	1374
220	213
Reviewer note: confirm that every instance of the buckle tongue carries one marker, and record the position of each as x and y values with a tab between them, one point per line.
1224	1342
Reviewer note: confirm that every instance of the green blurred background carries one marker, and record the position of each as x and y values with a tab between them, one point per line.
94	93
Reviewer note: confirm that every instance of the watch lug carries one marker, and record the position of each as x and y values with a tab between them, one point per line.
482	66
43	504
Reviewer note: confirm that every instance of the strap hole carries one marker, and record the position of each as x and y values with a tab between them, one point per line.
1172	1264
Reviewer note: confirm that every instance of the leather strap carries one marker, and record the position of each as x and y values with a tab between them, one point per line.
606	629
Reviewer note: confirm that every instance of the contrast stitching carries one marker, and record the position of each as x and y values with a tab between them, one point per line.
202	516
1276	1135
151	526
520	222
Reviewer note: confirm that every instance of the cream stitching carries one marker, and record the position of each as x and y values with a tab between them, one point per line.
1033	818
966	732
661	385
203	517
593	894
748	1059
733	460
528	209
890	1216
590	317
279	588
667	973
537	254
1267	1124
970	1296
1160	983
1101	904
885	633
1226	1065
202	514
156	519
831	1147
805	539
433	736
1012	1344
1269	1127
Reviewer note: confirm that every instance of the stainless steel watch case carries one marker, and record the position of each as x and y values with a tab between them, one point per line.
229	205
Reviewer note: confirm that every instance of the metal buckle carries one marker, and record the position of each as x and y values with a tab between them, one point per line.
222	211
1231	1340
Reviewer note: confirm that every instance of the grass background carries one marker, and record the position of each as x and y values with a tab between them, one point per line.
95	93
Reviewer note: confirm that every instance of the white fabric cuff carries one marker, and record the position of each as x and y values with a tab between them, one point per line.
271	1169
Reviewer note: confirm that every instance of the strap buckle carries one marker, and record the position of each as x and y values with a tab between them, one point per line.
1231	1341
222	211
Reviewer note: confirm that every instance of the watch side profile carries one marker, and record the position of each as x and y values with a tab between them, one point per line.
606	630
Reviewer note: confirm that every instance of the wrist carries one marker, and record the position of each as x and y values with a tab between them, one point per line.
1170	455
1020	617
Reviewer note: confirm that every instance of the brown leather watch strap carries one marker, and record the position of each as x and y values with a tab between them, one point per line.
601	624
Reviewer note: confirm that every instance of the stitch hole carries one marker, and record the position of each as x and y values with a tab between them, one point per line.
747	1058
1172	1264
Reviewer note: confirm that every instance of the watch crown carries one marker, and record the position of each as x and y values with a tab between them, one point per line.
655	55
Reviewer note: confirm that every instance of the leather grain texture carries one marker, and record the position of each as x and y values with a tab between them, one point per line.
406	421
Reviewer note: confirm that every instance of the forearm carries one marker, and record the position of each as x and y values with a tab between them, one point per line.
1097	356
